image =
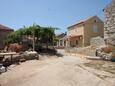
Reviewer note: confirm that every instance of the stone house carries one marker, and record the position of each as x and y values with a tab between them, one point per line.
79	34
4	31
61	40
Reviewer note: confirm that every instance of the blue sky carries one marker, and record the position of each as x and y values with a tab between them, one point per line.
58	13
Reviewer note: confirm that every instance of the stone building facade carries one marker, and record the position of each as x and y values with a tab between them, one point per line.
109	32
4	31
80	33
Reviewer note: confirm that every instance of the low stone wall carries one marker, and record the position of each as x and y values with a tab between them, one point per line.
16	59
95	43
89	51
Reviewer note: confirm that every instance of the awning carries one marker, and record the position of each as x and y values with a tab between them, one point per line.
74	37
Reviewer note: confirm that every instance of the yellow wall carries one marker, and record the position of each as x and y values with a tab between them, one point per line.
73	42
89	30
76	30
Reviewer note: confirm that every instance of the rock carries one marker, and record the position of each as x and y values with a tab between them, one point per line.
7	60
22	60
97	41
111	40
106	49
113	53
29	55
2	69
103	55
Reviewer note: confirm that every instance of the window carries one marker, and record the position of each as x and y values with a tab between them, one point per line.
70	43
76	42
77	30
95	28
61	43
64	43
95	21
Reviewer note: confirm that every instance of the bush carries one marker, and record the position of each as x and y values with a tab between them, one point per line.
38	48
107	49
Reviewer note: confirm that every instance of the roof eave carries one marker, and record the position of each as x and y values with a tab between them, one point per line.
76	25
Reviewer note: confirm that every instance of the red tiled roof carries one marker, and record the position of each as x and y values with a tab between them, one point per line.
2	27
82	21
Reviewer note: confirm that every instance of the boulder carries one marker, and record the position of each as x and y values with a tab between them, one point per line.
29	55
106	53
106	49
111	40
2	69
7	60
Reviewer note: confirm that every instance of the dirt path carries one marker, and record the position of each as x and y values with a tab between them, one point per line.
62	71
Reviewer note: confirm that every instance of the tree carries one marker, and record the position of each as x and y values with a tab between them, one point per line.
47	35
44	35
35	30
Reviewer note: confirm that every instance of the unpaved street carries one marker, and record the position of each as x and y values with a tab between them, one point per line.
61	71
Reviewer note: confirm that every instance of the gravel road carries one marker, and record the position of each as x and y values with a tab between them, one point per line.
61	71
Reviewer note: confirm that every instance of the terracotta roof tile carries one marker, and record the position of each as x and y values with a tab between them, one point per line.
81	21
2	27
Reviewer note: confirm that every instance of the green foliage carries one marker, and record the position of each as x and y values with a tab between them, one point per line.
43	34
47	34
12	38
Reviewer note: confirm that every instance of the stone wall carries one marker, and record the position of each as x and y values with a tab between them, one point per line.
97	41
89	50
109	25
